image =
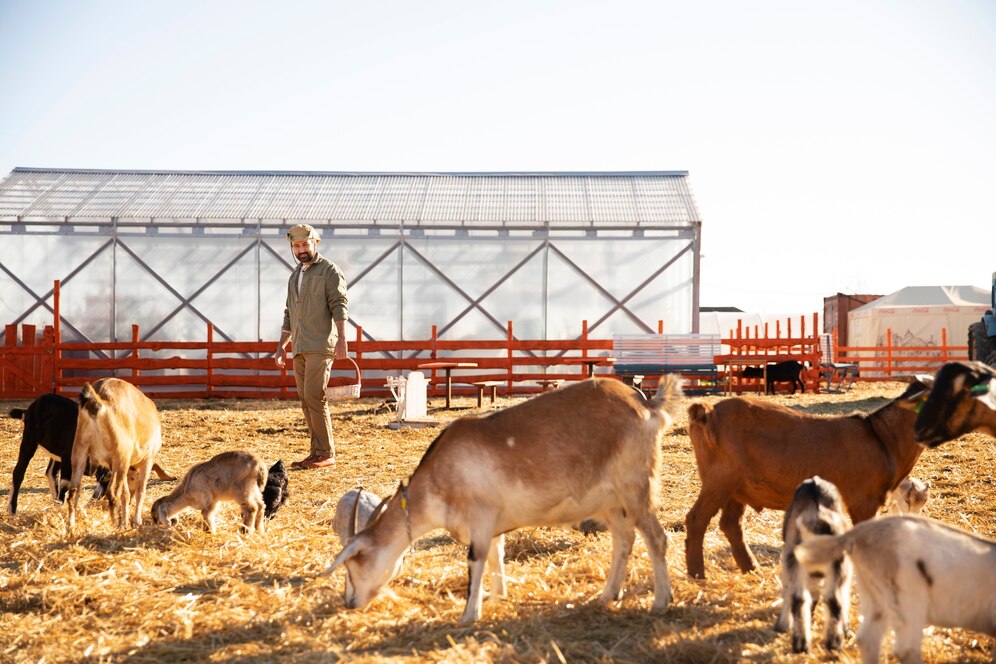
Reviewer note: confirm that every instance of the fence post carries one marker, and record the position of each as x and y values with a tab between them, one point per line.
26	361
660	326
888	352
944	345
509	337
210	360
135	371
57	344
48	348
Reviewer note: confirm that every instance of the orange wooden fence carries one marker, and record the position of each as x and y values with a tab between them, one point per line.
887	362
223	369
32	363
757	347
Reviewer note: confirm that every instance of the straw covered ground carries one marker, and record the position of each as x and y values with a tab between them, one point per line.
181	594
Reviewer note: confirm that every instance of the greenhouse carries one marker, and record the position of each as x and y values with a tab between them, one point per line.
171	251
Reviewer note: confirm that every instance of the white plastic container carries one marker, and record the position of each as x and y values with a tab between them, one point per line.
412	405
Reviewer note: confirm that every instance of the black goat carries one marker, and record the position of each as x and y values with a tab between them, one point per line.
275	492
50	421
781	372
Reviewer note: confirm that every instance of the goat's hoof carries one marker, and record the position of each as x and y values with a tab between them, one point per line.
663	604
834	642
781	629
799	645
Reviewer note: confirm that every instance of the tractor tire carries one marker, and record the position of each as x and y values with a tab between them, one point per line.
981	347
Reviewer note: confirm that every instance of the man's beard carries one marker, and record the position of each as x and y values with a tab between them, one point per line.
305	257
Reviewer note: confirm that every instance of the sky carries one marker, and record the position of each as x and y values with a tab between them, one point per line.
845	146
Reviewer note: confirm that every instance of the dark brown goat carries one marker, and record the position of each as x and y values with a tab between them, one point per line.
755	453
962	399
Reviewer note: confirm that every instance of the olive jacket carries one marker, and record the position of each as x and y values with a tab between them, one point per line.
310	314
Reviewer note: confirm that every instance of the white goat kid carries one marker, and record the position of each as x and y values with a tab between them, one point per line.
911	572
590	449
354	511
910	497
235	476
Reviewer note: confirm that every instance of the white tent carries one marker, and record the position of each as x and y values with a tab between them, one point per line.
916	315
724	323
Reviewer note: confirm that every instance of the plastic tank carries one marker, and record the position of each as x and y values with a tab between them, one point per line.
411	405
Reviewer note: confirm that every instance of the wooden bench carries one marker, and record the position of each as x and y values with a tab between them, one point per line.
549	384
690	355
491	385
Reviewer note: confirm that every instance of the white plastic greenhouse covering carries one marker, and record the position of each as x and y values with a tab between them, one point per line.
171	251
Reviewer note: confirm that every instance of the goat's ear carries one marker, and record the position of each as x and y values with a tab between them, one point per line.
915	398
353	547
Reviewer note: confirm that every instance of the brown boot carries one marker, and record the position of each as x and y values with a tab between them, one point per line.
306	460
319	462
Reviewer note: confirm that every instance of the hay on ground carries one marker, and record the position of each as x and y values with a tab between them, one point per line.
181	594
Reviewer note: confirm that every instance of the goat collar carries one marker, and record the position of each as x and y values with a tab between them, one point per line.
403	490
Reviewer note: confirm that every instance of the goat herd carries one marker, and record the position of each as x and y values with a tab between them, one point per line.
592	450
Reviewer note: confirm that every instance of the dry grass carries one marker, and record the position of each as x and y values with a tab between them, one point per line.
183	595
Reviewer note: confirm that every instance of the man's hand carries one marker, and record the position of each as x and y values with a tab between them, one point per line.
278	357
340	348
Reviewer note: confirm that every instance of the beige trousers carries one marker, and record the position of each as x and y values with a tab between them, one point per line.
311	373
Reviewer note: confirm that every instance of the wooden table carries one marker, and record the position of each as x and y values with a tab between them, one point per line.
448	367
589	362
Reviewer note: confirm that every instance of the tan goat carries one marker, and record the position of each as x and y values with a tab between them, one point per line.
962	399
590	449
118	428
755	453
234	476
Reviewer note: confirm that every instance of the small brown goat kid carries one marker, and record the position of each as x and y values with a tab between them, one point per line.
234	476
962	400
755	453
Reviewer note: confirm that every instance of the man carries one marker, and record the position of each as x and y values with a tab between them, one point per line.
314	324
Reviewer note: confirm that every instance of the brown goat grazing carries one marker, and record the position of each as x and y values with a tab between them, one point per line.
590	449
755	453
962	399
235	476
118	428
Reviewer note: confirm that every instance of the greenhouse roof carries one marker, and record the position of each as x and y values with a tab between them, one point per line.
651	199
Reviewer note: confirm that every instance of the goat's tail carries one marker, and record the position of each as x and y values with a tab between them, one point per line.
821	550
90	401
669	393
17	413
162	474
700	424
